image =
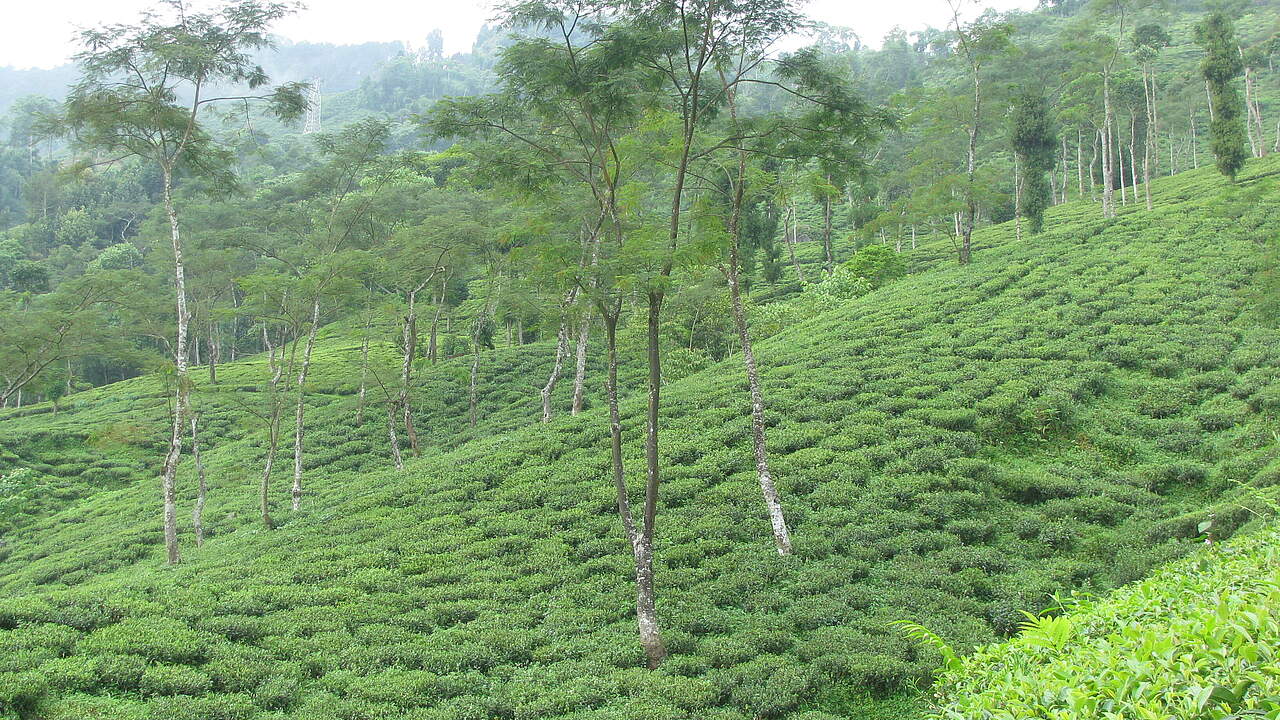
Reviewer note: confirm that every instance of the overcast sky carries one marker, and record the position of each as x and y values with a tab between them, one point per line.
39	34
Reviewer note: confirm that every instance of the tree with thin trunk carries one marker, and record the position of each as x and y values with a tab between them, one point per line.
1149	40
197	513
567	100
142	92
977	42
831	126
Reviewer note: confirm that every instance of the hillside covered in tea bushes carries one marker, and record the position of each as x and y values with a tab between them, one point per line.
1196	640
953	448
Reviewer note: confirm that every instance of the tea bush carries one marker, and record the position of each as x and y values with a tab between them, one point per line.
1196	640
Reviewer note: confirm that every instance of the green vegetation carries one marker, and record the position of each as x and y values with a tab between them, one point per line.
955	447
628	368
1196	640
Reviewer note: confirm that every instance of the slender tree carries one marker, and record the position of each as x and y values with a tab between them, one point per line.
977	43
143	92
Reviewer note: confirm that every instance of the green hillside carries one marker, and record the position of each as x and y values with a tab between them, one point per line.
953	449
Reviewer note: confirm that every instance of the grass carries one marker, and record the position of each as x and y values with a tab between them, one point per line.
953	448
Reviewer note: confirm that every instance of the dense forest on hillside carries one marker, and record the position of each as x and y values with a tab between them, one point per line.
628	366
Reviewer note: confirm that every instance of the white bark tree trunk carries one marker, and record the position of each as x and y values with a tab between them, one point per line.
296	491
168	476
197	513
580	365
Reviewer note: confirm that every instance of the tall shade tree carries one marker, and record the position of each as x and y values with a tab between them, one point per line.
829	124
1149	39
978	42
1034	143
1221	66
142	92
698	52
567	103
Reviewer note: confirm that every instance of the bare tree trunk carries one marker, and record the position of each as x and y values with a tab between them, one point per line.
789	234
971	200
409	344
1195	144
562	349
1149	146
646	611
641	541
475	372
197	514
168	476
364	375
273	429
580	368
432	343
830	260
1017	199
1080	161
1065	176
1095	161
1108	140
1255	107
296	492
215	352
391	434
1133	167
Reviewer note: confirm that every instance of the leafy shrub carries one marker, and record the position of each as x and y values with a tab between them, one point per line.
173	680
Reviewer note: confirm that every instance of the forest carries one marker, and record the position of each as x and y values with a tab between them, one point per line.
654	359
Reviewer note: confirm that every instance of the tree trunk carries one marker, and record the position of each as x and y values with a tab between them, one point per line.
432	343
168	475
1080	161
1017	199
830	261
197	514
562	349
409	343
276	408
475	371
790	234
1108	169
391	435
971	200
364	375
1149	145
1065	175
1195	144
641	542
1133	167
296	492
580	368
215	353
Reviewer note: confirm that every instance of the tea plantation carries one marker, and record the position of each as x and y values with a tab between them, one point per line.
952	449
1196	640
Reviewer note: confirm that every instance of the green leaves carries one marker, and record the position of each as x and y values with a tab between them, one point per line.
1195	642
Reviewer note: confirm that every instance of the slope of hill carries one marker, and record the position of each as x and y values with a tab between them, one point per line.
952	448
1196	640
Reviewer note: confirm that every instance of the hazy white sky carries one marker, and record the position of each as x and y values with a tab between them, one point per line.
39	34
